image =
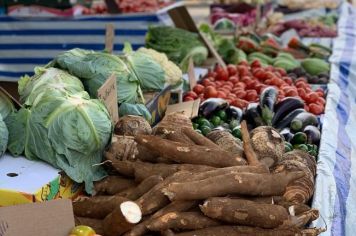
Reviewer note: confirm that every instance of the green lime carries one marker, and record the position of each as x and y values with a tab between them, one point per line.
301	147
237	132
215	120
288	147
201	120
222	115
205	130
195	126
233	124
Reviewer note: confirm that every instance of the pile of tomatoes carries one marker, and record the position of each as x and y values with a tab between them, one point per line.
242	84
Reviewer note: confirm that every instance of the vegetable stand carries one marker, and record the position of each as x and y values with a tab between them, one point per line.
269	153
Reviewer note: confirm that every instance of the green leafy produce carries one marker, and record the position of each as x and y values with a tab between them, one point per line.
69	131
134	109
4	136
58	82
148	71
6	105
178	44
94	68
173	75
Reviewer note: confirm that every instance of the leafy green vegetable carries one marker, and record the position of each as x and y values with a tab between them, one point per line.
6	105
225	46
4	136
179	45
134	109
94	68
150	74
69	131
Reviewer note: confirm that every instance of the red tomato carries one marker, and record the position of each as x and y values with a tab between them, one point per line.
312	97
188	98
306	108
246	79
251	84
281	71
234	79
224	90
301	79
241	94
260	87
291	93
316	109
269	68
269	75
288	80
198	89
227	87
239	103
218	84
210	92
251	95
232	96
232	70
276	73
300	84
240	85
243	70
243	63
207	82
256	64
321	101
211	73
302	93
229	83
222	74
191	94
221	95
259	73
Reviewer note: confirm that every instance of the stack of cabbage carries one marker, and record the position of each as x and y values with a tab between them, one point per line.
6	107
135	71
61	125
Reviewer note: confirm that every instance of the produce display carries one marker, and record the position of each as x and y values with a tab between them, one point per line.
323	26
243	84
6	107
179	45
219	18
306	4
192	186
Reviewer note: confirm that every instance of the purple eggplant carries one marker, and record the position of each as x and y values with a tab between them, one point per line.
284	107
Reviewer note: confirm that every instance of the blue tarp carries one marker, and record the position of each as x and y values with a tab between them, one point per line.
335	193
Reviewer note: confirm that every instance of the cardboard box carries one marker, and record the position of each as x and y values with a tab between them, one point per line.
53	218
157	104
25	181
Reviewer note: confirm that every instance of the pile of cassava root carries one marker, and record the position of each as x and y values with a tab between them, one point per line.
173	181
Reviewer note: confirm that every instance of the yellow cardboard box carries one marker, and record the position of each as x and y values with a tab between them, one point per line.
25	181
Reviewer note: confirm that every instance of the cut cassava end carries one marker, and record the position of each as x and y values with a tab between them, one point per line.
122	219
268	145
243	230
226	141
251	156
177	206
136	192
190	154
96	224
181	221
123	148
132	125
199	139
244	212
243	183
111	185
97	207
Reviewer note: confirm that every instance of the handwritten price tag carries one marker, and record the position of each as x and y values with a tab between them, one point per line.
108	94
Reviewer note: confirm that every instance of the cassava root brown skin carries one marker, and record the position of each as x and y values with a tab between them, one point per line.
167	232
136	192
130	125
247	231
181	221
97	207
96	224
244	212
155	199
243	183
145	170
190	154
199	139
176	206
122	219
111	185
250	154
